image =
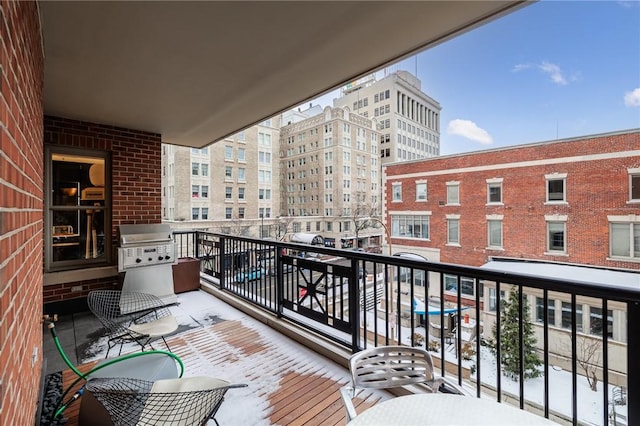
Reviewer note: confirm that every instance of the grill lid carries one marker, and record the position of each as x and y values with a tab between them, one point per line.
145	234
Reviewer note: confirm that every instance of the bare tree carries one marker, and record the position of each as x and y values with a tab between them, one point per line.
236	227
282	227
587	357
359	214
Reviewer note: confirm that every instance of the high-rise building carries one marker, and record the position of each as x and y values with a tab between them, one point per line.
330	177
323	178
230	186
408	119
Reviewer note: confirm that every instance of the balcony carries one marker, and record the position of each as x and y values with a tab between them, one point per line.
310	287
304	292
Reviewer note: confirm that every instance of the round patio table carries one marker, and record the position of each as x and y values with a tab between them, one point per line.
446	409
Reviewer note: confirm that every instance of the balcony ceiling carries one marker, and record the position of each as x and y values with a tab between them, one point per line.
196	72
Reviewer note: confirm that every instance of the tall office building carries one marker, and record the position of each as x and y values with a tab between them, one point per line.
408	119
231	186
329	176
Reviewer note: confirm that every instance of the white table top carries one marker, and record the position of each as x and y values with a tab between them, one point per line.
445	409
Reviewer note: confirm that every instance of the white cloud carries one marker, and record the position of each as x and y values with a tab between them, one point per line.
468	129
520	67
632	99
554	72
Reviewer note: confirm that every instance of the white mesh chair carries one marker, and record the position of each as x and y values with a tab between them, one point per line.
387	367
176	402
131	317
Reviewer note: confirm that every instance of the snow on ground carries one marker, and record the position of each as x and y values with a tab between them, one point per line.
242	406
590	403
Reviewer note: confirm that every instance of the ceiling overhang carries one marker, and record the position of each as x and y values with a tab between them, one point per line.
196	72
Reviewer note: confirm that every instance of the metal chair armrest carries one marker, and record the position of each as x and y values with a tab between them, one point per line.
348	393
452	387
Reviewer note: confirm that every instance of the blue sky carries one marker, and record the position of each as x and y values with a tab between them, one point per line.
554	69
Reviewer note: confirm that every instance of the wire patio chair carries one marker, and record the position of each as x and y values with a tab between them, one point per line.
180	402
131	317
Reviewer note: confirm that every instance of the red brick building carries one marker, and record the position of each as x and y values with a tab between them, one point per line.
572	201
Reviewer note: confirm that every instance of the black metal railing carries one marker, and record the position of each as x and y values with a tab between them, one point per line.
459	313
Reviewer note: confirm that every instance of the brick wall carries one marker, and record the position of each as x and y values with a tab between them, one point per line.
136	182
21	160
595	188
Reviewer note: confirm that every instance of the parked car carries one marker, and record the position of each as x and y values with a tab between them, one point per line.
286	268
251	274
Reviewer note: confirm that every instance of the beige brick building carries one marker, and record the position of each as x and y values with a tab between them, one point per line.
330	176
230	186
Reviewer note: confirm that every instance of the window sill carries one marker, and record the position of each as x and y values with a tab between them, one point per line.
556	203
495	248
556	253
495	204
76	275
453	244
633	202
624	259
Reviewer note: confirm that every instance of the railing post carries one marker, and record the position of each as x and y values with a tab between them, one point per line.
279	282
633	367
196	243
354	306
221	263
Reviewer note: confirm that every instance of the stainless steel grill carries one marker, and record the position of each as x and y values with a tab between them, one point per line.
145	245
146	255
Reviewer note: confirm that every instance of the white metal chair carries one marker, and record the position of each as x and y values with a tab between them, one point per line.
387	367
131	317
176	402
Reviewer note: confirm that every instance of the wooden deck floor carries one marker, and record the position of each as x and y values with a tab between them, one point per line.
287	384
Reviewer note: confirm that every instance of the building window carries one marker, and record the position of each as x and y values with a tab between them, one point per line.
625	239
596	321
396	189
493	302
494	191
556	188
494	230
204	170
453	229
240	193
228	173
410	226
228	152
241	174
205	213
551	311
195	191
228	213
77	208
567	316
466	289
556	237
634	185
241	152
228	193
195	213
241	213
421	191
204	191
453	193
195	169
